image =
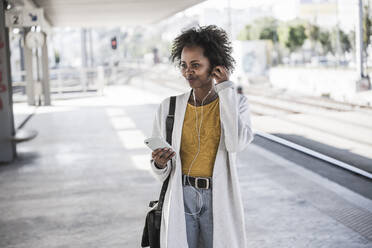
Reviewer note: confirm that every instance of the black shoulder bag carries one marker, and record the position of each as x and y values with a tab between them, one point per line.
151	231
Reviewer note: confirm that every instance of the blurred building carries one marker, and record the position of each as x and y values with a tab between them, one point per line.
328	13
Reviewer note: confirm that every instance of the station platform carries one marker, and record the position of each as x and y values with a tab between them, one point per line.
85	181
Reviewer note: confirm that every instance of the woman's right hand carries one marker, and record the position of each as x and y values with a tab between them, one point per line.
161	156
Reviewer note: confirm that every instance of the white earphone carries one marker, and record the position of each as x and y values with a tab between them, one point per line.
193	94
197	154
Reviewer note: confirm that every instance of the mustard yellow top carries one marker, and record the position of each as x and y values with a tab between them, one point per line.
210	133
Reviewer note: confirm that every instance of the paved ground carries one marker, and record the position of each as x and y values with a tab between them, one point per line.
85	182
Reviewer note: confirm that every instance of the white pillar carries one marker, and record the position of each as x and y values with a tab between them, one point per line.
7	132
30	84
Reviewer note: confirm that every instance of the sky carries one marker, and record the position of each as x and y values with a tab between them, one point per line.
283	9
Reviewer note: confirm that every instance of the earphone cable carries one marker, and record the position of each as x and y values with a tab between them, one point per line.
200	199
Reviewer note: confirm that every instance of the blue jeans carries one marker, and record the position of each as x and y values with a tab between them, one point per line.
199	227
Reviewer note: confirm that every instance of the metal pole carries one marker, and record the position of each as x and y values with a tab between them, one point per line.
45	71
84	59
229	21
338	45
359	39
38	83
22	57
91	51
7	131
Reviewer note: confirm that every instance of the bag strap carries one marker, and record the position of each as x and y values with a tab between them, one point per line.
170	119
169	129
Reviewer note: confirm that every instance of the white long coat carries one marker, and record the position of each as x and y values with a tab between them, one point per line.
228	213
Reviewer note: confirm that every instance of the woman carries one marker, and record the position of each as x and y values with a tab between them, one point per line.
203	205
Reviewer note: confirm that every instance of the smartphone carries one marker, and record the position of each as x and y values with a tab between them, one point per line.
157	142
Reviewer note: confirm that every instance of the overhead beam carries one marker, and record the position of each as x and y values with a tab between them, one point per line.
93	13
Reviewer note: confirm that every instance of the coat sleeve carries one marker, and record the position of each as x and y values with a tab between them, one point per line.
235	117
158	130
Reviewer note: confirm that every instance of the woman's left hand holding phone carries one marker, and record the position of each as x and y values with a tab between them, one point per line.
161	156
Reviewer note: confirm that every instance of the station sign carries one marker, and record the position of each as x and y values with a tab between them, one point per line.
21	17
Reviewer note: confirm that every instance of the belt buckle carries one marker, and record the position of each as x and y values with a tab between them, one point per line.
206	180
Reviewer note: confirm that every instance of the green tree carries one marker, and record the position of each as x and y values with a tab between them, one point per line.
292	36
344	42
266	29
261	29
351	37
367	30
312	32
283	34
245	34
57	58
325	41
297	36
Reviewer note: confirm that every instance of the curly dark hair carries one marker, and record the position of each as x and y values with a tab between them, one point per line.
214	41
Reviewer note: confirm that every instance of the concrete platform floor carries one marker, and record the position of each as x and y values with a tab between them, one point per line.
85	182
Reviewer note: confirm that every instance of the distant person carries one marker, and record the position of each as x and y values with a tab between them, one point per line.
155	52
239	89
203	205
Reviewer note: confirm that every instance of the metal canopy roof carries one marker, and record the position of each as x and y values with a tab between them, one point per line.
90	13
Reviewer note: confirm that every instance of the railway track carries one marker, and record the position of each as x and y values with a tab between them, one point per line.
350	125
312	101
